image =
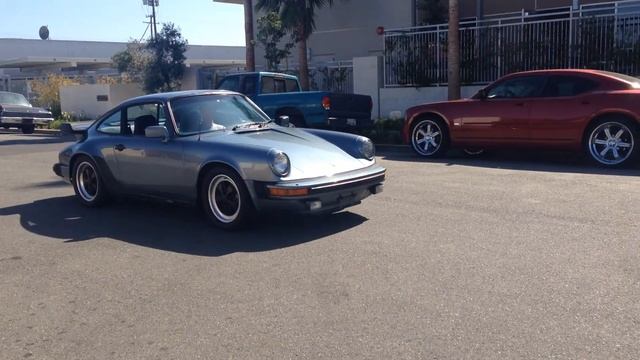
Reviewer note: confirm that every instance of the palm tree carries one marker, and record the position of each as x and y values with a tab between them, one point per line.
453	56
299	17
249	38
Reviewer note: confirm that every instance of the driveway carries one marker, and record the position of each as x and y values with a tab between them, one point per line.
504	256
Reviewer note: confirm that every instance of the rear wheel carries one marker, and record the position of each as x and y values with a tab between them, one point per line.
225	199
429	138
613	142
28	129
88	184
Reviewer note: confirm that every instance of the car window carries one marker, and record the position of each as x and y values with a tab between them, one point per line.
268	86
139	117
231	83
111	125
561	86
292	85
516	88
8	98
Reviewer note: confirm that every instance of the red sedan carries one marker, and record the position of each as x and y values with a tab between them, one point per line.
579	110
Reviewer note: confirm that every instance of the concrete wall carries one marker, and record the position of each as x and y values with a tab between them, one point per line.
83	99
368	79
395	101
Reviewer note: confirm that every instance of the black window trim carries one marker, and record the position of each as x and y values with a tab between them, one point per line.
595	84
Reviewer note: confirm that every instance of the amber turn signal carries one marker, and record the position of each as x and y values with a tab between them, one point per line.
283	192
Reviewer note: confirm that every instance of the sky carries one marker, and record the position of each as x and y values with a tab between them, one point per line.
202	22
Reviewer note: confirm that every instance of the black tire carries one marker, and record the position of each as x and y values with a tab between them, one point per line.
90	189
225	199
28	129
430	145
612	142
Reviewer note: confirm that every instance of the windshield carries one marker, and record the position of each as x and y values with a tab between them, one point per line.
8	98
198	114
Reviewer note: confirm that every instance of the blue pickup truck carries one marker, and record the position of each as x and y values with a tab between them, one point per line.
280	95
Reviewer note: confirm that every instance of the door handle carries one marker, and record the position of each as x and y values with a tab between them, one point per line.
119	147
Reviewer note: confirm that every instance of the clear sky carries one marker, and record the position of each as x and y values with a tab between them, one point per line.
202	22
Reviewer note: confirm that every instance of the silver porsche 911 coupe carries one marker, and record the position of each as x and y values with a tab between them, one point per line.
217	149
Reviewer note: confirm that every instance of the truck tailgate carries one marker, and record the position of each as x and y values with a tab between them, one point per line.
350	106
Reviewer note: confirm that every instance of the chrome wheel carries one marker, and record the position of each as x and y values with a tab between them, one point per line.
87	181
224	199
427	138
611	143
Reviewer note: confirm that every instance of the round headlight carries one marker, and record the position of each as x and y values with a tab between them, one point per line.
280	163
367	149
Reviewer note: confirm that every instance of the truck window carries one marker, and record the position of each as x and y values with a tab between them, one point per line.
292	85
280	86
249	85
231	83
268	86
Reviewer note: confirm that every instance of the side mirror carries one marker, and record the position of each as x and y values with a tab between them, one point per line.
157	132
482	94
283	120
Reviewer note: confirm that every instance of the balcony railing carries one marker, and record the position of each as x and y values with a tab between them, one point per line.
600	36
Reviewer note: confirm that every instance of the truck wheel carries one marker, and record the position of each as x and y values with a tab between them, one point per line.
28	129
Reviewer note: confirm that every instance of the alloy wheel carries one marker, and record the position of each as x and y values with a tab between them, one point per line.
87	181
224	198
611	143
427	137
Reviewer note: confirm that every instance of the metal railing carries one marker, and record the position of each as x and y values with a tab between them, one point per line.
602	36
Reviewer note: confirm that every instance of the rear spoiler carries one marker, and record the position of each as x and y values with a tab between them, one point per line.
79	129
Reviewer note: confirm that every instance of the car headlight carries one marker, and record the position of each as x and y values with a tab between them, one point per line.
279	162
366	147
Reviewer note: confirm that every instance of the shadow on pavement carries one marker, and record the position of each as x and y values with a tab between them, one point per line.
34	139
558	162
171	228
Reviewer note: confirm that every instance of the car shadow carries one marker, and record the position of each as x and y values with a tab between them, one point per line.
547	161
35	139
173	228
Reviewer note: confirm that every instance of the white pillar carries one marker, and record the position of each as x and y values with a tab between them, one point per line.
368	79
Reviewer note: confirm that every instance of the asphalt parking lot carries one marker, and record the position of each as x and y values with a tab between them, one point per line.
503	256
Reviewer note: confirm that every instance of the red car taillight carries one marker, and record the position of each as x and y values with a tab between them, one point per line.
326	103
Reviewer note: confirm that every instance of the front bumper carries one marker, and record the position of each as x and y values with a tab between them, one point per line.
324	195
62	171
10	120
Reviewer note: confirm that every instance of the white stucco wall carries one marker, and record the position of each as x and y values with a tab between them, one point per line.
367	79
395	101
82	99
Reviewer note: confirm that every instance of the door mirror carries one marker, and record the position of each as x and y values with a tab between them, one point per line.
283	120
482	94
157	132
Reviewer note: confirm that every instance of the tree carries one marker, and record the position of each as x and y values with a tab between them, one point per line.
132	62
299	17
48	92
249	38
453	51
431	12
271	30
166	66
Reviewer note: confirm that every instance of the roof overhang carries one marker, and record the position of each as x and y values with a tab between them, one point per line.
36	62
210	62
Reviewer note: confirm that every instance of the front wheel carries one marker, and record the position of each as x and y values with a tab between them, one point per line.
613	143
28	129
225	199
429	138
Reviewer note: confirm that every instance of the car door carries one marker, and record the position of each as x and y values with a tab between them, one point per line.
149	166
502	116
557	117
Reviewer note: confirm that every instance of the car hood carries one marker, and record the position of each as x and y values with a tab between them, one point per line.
310	156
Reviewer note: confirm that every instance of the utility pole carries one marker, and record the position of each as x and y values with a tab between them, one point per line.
152	18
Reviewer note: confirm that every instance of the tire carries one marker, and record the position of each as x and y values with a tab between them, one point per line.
612	142
28	129
225	199
430	138
88	185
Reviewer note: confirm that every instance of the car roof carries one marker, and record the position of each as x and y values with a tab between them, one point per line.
267	73
588	72
168	96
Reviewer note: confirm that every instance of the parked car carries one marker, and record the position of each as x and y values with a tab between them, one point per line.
594	111
280	94
217	149
17	112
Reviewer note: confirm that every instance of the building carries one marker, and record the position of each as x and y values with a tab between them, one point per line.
22	60
350	28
